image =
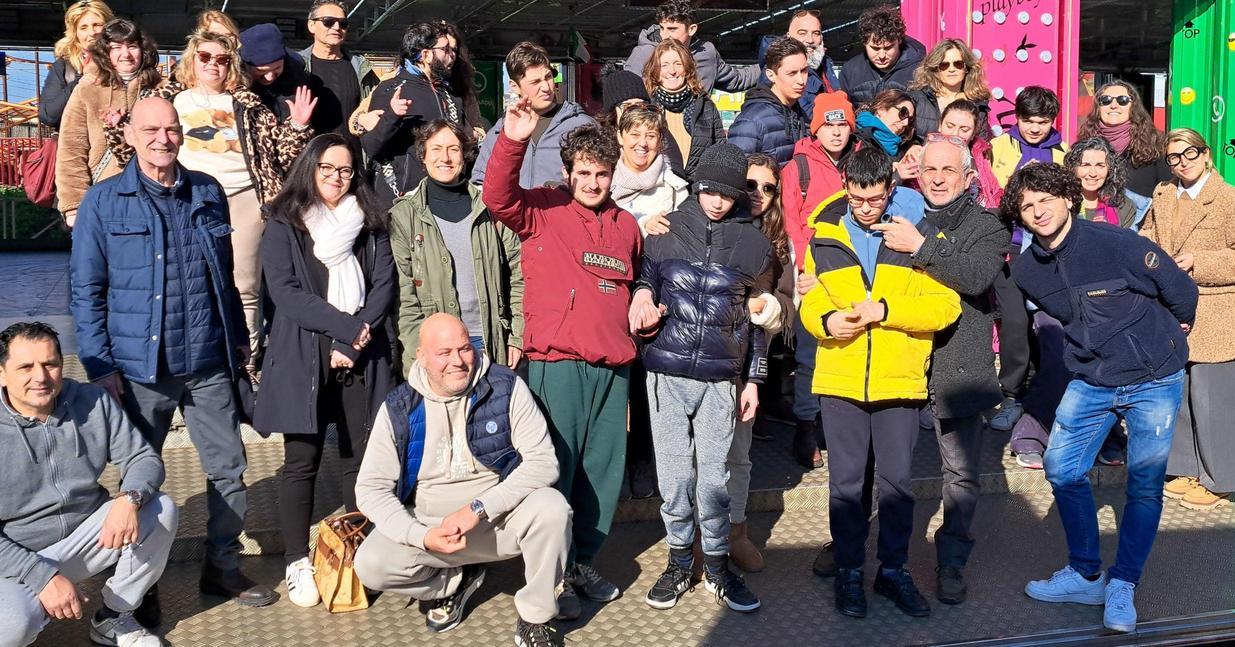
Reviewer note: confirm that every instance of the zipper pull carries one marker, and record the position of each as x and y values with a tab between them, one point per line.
572	299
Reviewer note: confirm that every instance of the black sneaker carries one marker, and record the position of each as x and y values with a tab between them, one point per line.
528	634
730	590
149	614
825	562
899	588
850	597
669	587
591	585
568	605
446	614
950	584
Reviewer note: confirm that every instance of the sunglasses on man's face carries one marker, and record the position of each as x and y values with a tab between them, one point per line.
944	65
329	22
766	188
1108	99
206	58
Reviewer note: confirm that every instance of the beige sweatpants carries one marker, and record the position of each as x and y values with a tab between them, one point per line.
538	529
247	223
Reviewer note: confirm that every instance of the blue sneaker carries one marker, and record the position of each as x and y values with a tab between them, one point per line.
1009	412
1120	614
1066	585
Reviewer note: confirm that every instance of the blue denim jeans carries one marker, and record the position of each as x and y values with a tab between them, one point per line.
1084	417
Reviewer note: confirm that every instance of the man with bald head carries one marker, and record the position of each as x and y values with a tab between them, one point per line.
159	322
962	246
459	472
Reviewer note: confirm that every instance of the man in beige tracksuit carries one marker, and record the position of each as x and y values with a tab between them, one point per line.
458	473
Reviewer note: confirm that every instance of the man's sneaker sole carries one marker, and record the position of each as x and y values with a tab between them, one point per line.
467	595
1093	599
667	604
1122	628
740	608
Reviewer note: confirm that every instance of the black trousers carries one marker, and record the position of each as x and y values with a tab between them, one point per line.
639	438
1014	332
960	443
852	430
343	400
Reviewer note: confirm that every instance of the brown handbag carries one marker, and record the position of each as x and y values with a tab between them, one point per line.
338	537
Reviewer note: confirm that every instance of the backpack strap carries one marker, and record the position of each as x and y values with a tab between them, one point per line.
803	174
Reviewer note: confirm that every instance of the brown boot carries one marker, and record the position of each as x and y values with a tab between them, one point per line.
742	551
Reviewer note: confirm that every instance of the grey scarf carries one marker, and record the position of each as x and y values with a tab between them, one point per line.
628	183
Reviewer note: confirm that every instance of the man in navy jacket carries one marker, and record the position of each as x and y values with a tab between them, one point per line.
806	28
1126	310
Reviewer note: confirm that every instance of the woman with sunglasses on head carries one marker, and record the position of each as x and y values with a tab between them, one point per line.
1104	175
83	22
1119	117
1192	218
231	135
671	79
331	276
949	73
124	63
887	122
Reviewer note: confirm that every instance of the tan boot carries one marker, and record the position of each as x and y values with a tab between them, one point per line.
742	552
1178	487
1200	498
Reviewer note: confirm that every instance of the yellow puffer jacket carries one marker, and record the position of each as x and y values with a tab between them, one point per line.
890	360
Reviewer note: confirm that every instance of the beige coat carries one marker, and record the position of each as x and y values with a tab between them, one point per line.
1207	231
83	138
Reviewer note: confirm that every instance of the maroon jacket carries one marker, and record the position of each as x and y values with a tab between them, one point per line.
578	265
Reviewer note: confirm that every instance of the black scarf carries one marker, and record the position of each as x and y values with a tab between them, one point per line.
673	101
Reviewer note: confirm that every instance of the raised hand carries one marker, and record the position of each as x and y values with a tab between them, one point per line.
520	121
301	107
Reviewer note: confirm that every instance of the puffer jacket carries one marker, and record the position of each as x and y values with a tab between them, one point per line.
862	81
118	272
703	271
544	156
927	114
702	120
62	79
890	360
820	79
765	125
714	72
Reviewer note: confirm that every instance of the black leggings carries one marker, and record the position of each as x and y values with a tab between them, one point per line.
346	404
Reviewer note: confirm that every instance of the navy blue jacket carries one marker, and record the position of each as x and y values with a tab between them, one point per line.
765	125
861	81
703	272
119	272
1120	298
488	428
817	80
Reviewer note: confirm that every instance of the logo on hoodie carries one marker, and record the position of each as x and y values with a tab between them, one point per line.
602	261
491	427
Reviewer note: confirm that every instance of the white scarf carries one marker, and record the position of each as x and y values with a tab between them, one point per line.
334	234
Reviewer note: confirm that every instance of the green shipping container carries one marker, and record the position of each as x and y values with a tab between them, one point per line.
1203	75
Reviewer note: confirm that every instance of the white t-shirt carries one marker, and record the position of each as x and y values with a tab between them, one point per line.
211	139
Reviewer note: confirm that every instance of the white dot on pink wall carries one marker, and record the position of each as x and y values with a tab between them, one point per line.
1020	90
977	53
1000	17
1047	19
1022	55
999	55
997	92
977	17
997	129
1023	17
1045	56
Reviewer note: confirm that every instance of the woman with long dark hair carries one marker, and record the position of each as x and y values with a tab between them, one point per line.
887	122
1119	117
329	271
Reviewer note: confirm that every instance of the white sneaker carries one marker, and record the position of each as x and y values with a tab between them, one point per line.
301	589
1120	613
1066	585
122	631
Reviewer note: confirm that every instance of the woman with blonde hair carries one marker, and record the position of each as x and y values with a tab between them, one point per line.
83	21
217	22
1191	218
949	72
671	79
1119	117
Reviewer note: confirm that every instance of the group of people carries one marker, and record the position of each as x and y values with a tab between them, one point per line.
508	327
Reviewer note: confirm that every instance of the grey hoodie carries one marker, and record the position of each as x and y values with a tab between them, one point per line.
543	162
450	477
49	474
713	70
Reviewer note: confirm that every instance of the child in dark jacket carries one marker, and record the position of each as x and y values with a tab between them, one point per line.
704	363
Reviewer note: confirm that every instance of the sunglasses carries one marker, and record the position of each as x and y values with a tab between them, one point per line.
222	60
905	114
944	65
765	188
329	22
951	139
1107	99
1190	153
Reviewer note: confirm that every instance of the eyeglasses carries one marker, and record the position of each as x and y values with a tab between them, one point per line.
1107	99
944	65
329	22
951	139
875	202
450	51
766	188
1190	153
344	172
222	60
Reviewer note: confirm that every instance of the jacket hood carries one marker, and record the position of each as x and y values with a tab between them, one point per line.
419	380
912	55
763	94
650	36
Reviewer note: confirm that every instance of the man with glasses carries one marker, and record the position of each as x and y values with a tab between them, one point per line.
962	246
875	315
345	77
1126	309
806	28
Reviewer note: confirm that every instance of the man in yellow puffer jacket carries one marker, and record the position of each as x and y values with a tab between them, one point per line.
875	317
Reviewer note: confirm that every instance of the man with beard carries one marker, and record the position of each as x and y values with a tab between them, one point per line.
413	97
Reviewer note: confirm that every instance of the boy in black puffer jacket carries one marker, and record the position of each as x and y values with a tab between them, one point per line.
694	299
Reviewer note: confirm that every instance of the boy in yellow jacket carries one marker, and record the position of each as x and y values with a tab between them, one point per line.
875	317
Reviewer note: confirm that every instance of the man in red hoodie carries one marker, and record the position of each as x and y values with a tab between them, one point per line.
580	258
813	176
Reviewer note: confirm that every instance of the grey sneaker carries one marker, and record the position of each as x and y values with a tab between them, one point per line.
568	606
1120	612
1029	460
591	585
121	631
1009	412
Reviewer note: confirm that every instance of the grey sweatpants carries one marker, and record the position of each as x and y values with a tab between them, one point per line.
538	529
79	557
692	431
739	469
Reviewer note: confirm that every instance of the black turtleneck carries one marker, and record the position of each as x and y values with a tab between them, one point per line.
449	202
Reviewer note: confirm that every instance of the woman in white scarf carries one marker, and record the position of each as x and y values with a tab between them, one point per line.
328	269
643	183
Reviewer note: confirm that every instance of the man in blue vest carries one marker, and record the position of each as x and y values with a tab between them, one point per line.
459	472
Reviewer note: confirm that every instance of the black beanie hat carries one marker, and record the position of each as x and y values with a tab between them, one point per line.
722	169
620	86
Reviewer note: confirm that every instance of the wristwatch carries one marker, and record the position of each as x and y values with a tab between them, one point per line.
478	507
134	496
